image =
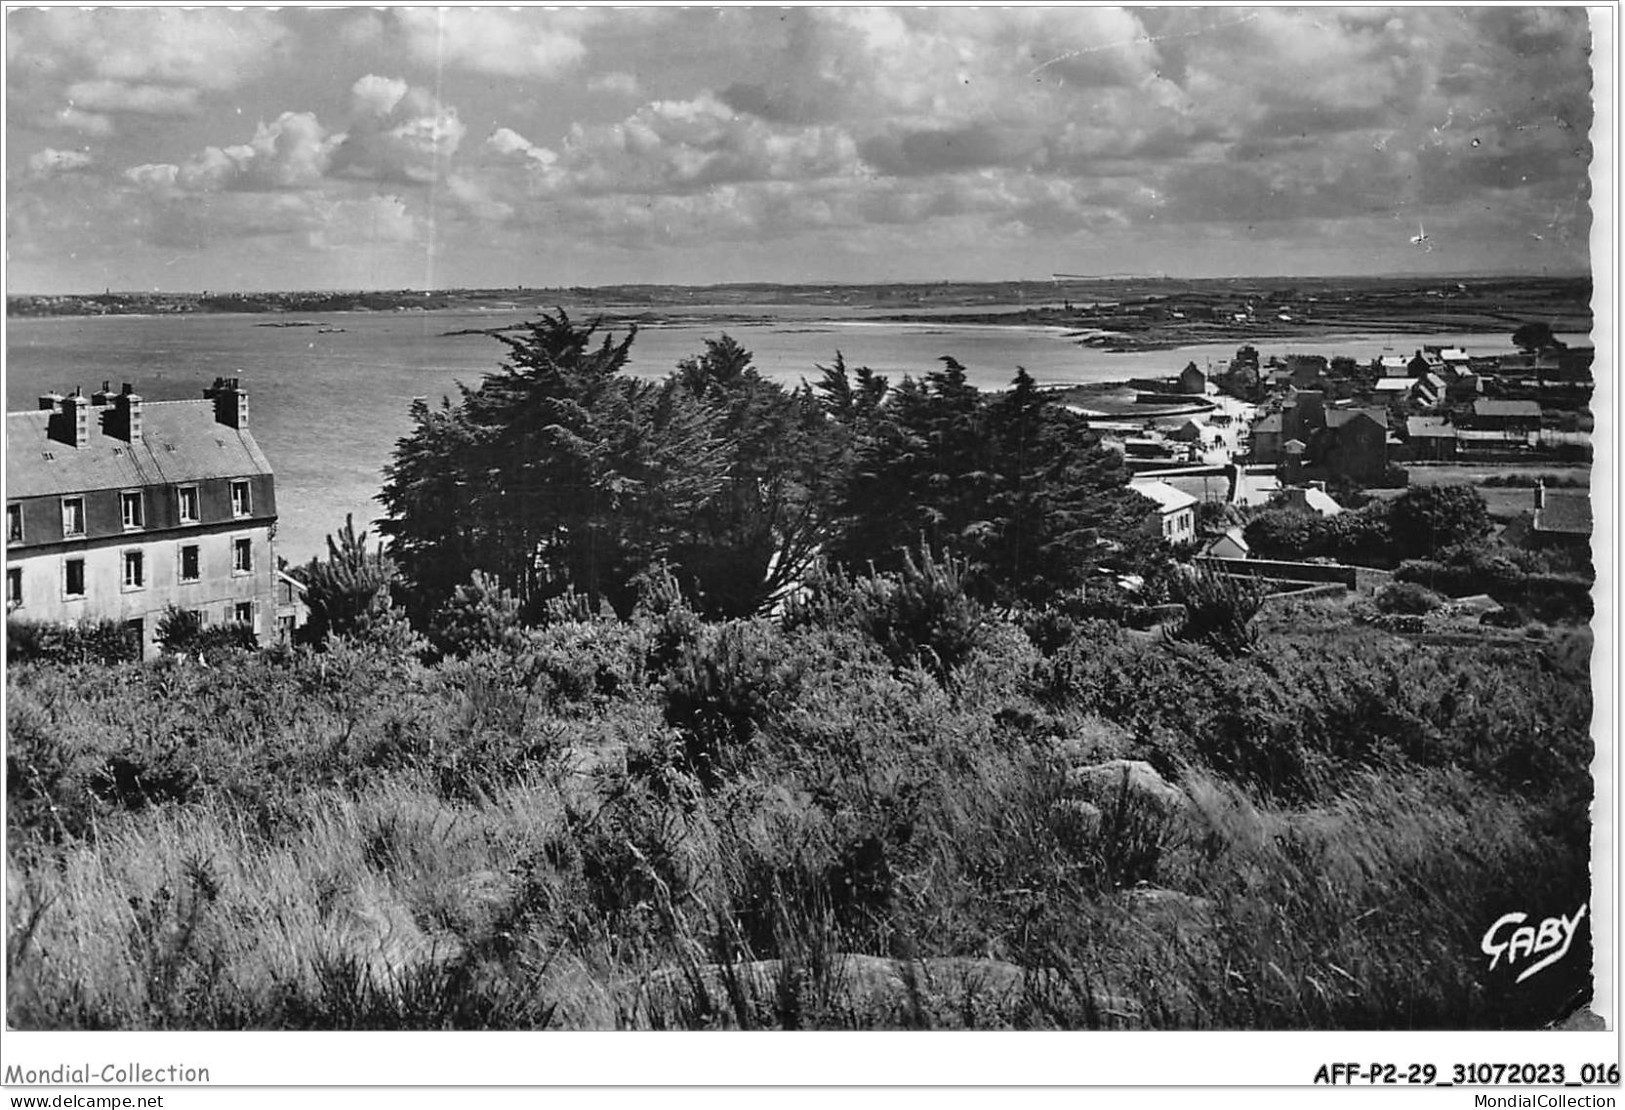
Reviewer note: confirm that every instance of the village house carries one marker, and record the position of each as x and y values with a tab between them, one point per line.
1174	517
1268	438
1192	380
1354	444
118	508
1516	419
1561	518
1312	498
1231	544
1430	437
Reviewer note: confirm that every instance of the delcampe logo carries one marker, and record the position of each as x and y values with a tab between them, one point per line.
1550	940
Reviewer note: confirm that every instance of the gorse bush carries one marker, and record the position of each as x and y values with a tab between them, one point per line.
919	616
1407	597
560	833
1218	609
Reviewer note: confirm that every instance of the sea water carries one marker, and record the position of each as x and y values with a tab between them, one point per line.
328	402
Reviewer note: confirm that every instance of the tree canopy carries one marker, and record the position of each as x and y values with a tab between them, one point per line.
562	474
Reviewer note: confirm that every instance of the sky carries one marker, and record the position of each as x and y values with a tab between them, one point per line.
413	147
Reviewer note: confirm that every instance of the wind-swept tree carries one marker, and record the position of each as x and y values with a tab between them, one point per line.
1014	486
759	533
559	472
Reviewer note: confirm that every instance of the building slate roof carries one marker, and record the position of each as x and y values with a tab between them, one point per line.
1569	513
1429	427
1507	408
1168	499
181	442
1336	418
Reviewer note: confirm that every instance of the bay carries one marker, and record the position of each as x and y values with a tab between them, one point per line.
329	402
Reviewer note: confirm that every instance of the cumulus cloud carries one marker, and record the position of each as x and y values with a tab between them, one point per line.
210	48
375	221
680	146
373	95
292	152
400	134
531	43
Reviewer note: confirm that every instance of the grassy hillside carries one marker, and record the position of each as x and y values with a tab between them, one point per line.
861	815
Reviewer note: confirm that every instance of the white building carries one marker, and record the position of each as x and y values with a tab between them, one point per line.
1175	513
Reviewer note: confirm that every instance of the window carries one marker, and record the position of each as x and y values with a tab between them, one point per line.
14	587
189	505
73	516
14	524
73	578
135	570
242	556
243	612
191	563
239	499
130	504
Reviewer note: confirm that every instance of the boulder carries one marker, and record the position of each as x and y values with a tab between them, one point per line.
1102	782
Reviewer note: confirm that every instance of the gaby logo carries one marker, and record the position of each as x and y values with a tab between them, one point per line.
1550	940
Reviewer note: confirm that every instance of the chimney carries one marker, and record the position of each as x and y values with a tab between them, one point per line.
230	403
128	407
75	420
103	396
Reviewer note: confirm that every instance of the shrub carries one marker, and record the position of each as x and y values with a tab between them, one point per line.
104	641
721	689
1428	519
1218	608
920	616
1407	597
183	632
479	615
349	595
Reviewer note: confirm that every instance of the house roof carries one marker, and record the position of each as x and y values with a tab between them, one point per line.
1312	498
1270	423
1336	418
1168	499
1212	487
1429	427
1507	408
1568	513
181	441
1394	385
1235	536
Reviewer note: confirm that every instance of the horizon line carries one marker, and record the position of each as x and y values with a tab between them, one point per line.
1051	281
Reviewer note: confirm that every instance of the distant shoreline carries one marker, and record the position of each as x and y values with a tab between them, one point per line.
1117	316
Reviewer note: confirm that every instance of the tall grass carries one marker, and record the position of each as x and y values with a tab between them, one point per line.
670	823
